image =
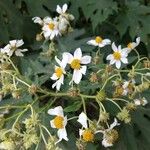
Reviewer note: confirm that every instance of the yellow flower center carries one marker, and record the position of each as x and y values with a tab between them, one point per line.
51	26
87	135
58	122
117	55
98	39
75	64
59	72
129	45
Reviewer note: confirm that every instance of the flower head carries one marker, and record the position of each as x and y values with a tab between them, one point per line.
132	45
50	28
142	101
58	75
118	56
76	62
87	134
59	122
98	41
13	47
110	135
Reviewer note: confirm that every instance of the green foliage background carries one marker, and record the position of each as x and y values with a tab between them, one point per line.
119	20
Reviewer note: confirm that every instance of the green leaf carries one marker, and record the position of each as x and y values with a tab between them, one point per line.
74	107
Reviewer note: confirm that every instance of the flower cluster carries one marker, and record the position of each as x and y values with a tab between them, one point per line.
77	63
52	27
110	135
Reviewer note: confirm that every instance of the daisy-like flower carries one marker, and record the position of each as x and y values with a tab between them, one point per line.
98	41
59	122
58	76
110	135
13	47
118	56
50	28
76	62
87	134
142	101
132	45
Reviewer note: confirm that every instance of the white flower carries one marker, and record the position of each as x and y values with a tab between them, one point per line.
58	76
98	41
59	122
13	47
87	134
62	10
50	28
75	63
132	45
142	101
118	56
105	141
38	20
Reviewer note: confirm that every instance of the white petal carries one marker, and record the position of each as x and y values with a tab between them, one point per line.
54	77
106	41
118	64
109	57
138	41
64	8
58	61
47	20
65	121
58	9
92	42
137	102
125	85
78	53
58	111
13	43
105	143
19	43
124	60
58	85
114	47
115	123
83	69
77	75
37	20
23	50
101	45
52	123
18	53
83	120
80	132
112	61
86	59
64	60
10	53
70	57
62	134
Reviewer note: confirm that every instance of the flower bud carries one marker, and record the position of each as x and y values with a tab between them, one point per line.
101	95
33	89
124	116
39	37
93	77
